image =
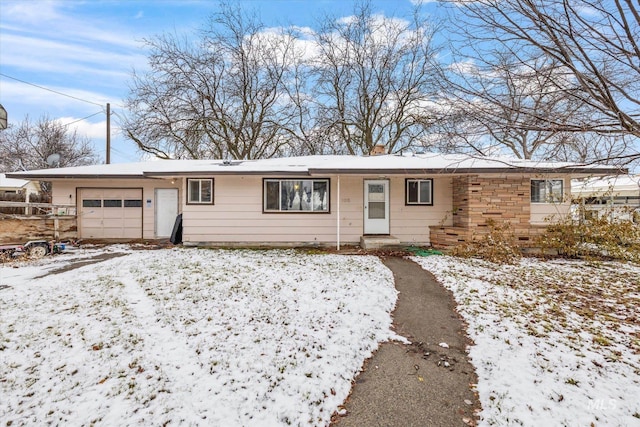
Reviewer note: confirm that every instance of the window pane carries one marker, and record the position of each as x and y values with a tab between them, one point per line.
555	190
425	192
377	210
288	196
133	203
537	191
113	203
320	202
412	191
306	191
206	192
92	203
194	190
272	195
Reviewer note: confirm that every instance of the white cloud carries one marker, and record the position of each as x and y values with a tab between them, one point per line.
97	130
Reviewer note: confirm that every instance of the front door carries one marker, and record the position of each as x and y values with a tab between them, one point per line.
376	206
166	210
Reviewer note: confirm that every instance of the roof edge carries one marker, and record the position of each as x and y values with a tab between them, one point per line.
453	171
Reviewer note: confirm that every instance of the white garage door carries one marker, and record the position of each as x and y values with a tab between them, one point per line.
110	213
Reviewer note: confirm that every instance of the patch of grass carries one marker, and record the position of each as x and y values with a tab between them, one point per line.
600	340
572	381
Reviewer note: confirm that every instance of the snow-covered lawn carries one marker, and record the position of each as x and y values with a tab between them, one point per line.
188	336
556	343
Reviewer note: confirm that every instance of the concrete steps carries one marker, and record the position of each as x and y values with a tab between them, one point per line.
378	242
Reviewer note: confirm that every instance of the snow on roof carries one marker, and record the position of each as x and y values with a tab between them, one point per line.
619	185
11	182
314	165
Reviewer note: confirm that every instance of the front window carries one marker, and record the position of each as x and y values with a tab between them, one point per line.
200	191
296	195
547	190
419	192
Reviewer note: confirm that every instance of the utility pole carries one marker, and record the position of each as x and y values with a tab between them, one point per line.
108	133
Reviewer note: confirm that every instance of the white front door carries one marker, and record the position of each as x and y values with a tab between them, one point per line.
376	206
166	210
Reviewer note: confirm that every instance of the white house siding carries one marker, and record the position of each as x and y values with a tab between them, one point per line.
411	223
237	216
64	193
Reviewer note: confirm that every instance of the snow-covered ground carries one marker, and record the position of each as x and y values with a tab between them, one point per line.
556	343
188	336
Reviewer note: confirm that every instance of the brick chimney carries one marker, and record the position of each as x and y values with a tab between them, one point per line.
378	149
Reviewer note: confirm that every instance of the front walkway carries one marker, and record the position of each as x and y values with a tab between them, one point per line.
422	384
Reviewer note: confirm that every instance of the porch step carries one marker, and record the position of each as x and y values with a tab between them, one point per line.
377	242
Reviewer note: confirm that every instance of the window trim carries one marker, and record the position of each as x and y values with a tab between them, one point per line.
406	191
548	199
306	178
188	192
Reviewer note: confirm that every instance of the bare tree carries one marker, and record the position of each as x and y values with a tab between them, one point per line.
29	144
513	106
594	47
375	79
223	96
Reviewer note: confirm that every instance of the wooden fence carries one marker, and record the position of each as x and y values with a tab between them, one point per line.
52	222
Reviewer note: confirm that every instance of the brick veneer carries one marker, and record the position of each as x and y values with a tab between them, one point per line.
478	199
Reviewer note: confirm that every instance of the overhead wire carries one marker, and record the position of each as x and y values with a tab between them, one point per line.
50	90
84	118
78	99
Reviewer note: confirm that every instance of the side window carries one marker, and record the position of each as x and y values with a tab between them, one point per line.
419	192
547	190
200	191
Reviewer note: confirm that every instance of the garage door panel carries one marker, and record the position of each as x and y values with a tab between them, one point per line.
131	213
113	223
130	233
89	215
92	193
111	213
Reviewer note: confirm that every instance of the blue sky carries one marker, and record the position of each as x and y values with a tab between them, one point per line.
88	49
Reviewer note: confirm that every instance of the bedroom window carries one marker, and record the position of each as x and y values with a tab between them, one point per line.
419	192
296	195
547	190
200	191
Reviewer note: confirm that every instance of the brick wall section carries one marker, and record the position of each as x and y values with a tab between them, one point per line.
478	199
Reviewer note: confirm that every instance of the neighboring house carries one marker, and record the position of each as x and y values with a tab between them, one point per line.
16	186
315	200
618	196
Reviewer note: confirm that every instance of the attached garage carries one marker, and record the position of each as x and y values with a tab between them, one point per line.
108	213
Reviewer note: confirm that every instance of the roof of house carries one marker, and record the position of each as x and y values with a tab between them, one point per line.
11	182
329	164
621	185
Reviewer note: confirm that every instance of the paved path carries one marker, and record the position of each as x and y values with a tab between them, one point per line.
411	385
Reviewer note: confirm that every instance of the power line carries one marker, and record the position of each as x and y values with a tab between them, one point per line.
50	90
79	120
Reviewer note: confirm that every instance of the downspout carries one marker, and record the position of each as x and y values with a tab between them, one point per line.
338	218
